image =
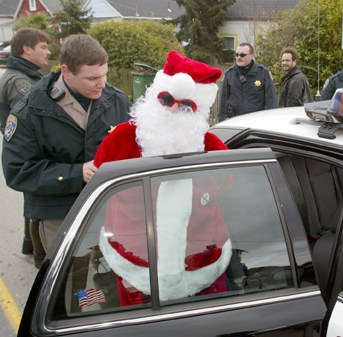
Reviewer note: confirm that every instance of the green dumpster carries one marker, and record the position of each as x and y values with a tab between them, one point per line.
142	76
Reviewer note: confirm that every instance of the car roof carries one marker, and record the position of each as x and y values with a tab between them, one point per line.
4	44
292	121
6	49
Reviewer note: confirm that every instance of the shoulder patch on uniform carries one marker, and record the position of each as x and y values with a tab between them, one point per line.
11	126
23	85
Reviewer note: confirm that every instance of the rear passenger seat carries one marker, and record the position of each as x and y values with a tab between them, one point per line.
317	190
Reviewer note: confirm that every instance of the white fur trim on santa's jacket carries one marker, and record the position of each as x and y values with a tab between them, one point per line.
173	210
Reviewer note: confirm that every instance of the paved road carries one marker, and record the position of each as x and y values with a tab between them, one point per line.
17	272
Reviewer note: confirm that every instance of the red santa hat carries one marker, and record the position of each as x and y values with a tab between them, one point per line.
200	72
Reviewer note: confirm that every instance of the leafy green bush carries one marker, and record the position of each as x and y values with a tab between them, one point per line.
128	43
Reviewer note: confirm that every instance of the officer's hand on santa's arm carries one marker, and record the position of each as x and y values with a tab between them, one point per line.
88	170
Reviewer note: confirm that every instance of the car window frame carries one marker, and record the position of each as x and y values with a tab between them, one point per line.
192	307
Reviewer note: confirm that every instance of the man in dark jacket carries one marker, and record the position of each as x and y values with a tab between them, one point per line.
295	88
52	134
333	83
246	87
29	53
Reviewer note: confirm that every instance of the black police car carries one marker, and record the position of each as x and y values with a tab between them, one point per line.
268	216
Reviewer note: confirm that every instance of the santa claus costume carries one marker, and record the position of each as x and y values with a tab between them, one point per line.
194	249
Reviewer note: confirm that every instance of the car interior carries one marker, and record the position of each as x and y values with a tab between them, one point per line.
316	183
317	190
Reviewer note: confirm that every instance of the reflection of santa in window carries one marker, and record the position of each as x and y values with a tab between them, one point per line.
192	241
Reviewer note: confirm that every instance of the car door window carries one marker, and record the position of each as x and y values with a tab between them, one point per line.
90	284
212	233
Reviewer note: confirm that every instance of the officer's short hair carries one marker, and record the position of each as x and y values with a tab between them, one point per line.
27	37
81	49
291	51
246	44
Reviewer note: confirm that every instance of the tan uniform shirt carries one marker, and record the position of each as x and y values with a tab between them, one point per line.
71	106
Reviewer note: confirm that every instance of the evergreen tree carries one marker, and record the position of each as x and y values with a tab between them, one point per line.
199	28
72	18
37	20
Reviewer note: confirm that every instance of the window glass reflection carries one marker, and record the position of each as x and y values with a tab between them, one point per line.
218	233
223	235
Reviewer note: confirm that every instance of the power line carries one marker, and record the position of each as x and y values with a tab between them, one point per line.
317	98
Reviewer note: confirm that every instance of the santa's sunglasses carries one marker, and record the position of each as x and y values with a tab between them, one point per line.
166	99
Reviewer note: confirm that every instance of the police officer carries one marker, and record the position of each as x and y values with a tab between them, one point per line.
29	53
333	83
246	87
52	134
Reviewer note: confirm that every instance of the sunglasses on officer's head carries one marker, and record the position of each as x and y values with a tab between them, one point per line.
241	54
166	99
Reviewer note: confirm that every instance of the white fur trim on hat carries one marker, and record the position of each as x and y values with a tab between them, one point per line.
182	85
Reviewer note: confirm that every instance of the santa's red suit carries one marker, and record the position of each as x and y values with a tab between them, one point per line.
193	245
121	144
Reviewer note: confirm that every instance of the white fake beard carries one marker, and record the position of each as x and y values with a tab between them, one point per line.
161	131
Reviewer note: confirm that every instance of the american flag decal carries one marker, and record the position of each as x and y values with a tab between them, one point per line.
90	296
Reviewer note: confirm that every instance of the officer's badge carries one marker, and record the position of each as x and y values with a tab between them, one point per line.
23	85
11	126
258	83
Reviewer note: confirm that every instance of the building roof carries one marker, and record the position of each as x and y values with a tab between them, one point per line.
147	8
8	7
101	9
132	8
241	9
53	5
255	9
